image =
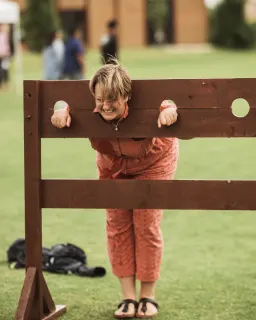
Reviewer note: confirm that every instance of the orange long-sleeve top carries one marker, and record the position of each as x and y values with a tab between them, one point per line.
127	156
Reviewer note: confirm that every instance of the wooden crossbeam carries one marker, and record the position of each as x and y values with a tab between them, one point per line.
132	194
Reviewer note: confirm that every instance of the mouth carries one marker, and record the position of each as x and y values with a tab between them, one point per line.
109	111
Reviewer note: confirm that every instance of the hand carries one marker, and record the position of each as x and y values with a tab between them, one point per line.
61	118
167	117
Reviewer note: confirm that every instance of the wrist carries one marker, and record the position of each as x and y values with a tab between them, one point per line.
166	104
67	108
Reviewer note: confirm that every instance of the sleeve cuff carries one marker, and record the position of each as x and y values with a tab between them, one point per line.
67	107
167	104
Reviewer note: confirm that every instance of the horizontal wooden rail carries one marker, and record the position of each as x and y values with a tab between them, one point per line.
143	123
204	108
148	94
128	194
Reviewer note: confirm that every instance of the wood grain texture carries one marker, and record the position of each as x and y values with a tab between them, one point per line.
134	194
204	109
27	296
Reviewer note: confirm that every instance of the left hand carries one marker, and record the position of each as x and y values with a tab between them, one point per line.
167	117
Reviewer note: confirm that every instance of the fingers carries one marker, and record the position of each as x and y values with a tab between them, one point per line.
167	118
56	121
61	121
170	119
163	119
68	121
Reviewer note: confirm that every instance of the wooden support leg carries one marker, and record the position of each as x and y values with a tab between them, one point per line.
59	311
27	295
50	310
29	307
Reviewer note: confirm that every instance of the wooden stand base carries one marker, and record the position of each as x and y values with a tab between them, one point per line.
35	301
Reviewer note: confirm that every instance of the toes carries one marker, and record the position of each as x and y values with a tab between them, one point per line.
131	310
119	311
151	310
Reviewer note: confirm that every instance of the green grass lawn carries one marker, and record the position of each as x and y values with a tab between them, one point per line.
209	267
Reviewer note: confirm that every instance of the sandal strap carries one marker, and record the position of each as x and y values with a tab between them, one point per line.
144	302
126	303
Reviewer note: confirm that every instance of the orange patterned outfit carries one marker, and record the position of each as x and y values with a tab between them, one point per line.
134	237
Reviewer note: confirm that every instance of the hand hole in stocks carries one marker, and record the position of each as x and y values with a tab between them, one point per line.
61	104
240	108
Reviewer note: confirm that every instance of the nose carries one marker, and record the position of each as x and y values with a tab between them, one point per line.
106	104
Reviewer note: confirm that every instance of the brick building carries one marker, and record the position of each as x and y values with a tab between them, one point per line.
187	20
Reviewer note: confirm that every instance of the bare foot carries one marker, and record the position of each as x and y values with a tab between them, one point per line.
147	309
130	313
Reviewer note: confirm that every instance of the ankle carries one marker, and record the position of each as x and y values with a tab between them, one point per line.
130	296
147	290
147	296
128	287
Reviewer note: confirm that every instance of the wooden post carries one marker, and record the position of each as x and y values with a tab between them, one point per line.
35	301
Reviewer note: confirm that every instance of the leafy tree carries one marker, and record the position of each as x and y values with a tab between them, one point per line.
228	26
39	21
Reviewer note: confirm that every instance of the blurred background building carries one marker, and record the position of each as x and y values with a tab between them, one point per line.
186	20
250	10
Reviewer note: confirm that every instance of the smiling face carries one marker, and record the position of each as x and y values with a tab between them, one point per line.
109	109
111	88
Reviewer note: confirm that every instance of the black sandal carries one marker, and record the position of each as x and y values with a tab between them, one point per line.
126	303
144	302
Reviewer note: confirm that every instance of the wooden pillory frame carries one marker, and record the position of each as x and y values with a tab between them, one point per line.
204	108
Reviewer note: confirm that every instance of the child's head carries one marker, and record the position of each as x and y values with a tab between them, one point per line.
111	86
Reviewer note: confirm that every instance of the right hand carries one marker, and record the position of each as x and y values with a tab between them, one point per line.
61	118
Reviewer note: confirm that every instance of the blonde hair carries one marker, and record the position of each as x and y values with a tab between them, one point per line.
114	80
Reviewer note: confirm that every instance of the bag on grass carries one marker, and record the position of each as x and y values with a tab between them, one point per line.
60	258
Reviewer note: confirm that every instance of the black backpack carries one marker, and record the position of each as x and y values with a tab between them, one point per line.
61	258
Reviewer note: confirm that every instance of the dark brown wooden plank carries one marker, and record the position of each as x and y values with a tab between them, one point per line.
27	296
127	194
59	311
187	93
204	107
32	163
143	123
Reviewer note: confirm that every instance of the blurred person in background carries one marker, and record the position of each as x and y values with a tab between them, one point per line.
109	43
53	57
4	55
74	66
